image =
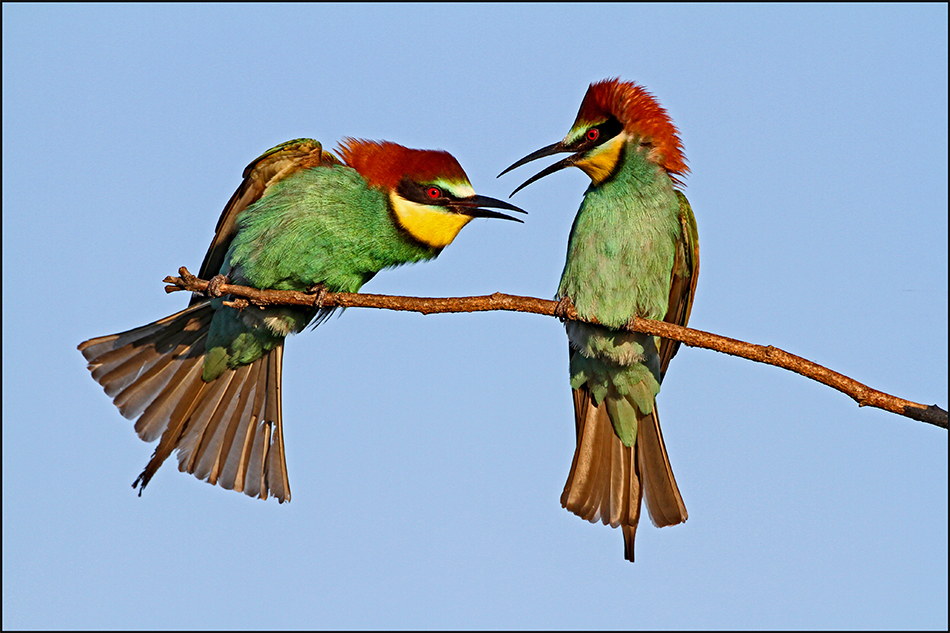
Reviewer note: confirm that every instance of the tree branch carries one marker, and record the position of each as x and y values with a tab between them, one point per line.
862	394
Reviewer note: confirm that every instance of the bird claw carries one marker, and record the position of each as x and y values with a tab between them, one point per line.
321	292
564	307
238	304
214	286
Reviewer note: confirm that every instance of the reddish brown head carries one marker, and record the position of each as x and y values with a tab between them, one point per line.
384	164
640	115
613	114
429	194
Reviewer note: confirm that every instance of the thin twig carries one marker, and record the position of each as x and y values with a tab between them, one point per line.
862	394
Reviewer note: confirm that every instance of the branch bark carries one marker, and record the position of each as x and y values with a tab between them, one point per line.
862	394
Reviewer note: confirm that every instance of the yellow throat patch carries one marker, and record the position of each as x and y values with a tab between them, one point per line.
601	163
431	225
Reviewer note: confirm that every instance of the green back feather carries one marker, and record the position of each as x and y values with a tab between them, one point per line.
320	225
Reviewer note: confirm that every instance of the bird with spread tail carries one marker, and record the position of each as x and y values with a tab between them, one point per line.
633	251
206	381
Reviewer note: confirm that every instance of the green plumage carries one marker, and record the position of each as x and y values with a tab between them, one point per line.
206	381
633	252
620	251
620	254
322	225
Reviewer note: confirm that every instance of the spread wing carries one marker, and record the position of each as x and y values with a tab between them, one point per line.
268	169
682	281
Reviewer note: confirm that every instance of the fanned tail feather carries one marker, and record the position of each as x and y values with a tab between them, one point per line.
227	432
608	480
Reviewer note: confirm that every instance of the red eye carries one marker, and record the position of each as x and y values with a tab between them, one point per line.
593	134
434	193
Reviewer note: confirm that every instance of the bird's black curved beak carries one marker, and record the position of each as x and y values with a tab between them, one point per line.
471	206
550	150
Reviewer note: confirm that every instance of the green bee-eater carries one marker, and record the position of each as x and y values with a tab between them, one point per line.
633	251
206	380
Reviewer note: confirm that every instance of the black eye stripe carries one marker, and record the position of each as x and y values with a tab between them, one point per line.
598	134
421	192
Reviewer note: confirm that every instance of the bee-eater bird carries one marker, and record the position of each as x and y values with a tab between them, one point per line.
633	251
206	380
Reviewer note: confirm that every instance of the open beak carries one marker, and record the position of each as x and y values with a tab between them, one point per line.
471	206
550	150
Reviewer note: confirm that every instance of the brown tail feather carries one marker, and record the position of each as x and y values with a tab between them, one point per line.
608	480
660	490
227	432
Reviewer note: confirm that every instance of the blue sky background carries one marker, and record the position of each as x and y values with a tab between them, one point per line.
427	454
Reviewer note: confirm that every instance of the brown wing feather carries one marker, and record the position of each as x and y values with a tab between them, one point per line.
265	171
682	281
663	499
